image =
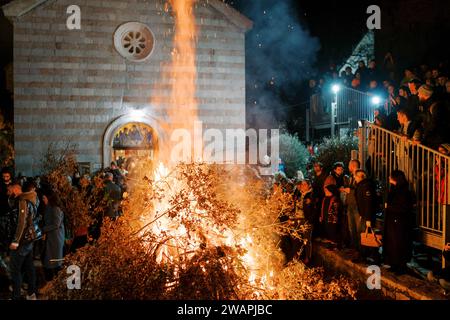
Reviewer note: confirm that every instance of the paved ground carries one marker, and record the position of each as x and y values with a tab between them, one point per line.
412	285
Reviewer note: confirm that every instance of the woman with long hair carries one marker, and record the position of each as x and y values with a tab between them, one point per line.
398	223
54	233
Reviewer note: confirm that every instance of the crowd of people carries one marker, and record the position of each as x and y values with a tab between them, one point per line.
33	224
415	104
339	210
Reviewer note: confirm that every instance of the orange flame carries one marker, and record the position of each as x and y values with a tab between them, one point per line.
181	72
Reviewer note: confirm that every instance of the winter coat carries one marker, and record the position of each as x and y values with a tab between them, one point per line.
304	206
317	184
350	199
333	178
54	230
398	226
113	195
366	199
25	220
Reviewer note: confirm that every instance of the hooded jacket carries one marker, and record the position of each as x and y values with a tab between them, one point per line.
27	204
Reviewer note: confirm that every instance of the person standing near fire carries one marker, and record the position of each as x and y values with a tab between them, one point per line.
21	247
304	212
113	195
351	205
4	217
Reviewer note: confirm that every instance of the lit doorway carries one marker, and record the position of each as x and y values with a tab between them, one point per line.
132	143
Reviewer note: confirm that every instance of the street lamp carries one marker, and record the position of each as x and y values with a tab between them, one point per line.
336	88
376	100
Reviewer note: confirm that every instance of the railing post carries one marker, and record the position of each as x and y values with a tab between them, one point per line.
446	212
362	143
445	230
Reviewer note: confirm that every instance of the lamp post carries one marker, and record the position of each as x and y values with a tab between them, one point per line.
335	88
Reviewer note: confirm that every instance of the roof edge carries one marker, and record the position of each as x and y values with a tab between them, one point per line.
17	8
235	17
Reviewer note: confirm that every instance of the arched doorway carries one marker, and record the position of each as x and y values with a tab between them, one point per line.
132	137
134	141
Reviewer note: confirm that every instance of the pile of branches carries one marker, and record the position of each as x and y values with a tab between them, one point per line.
211	205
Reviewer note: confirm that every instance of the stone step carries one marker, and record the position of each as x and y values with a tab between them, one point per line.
403	287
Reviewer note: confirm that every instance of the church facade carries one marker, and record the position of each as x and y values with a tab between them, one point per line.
93	86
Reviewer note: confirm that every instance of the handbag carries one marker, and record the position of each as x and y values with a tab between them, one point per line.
370	239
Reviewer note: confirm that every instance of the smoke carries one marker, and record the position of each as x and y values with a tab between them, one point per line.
280	54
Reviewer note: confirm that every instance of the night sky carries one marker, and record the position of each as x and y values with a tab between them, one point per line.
292	41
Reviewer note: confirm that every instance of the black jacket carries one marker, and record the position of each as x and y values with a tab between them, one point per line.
398	226
366	199
435	119
412	106
113	195
317	184
305	203
4	207
27	220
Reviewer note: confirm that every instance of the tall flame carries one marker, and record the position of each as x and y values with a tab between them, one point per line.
181	71
182	112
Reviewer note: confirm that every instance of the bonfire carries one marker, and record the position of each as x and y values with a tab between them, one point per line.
196	232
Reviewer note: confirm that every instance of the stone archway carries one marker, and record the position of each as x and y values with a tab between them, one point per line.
121	121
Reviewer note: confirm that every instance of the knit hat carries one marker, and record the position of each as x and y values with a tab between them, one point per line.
426	90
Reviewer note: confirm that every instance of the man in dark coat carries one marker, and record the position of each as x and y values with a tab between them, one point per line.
351	205
21	245
407	125
366	200
336	176
113	195
6	181
434	118
412	105
4	218
318	195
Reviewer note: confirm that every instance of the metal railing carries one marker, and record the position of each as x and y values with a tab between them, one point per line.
353	105
427	171
338	110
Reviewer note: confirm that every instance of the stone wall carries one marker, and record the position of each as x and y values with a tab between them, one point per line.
71	84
